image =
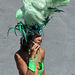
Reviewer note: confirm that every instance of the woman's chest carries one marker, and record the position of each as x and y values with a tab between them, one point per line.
26	57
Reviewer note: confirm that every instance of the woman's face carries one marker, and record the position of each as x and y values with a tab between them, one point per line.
37	38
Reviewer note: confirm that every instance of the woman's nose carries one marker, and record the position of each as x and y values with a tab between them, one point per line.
40	38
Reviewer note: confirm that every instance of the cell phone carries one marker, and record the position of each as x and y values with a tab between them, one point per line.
32	42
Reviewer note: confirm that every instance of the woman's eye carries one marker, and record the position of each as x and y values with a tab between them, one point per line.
36	36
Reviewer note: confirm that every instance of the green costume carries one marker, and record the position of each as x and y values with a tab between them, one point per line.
35	14
32	65
41	67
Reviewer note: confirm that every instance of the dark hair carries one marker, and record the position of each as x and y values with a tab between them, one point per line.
23	45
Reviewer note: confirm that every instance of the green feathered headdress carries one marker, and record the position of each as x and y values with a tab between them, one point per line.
35	14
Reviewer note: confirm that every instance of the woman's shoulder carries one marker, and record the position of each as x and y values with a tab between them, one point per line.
42	52
17	55
20	63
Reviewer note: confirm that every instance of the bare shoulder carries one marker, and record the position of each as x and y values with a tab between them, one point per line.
17	56
42	51
20	63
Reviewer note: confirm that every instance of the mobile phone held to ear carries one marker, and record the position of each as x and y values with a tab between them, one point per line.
32	42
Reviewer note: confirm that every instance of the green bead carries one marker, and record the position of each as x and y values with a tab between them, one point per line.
44	26
40	32
32	33
29	50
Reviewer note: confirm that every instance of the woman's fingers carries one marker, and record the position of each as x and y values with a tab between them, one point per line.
35	47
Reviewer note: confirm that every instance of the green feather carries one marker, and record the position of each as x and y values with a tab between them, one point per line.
47	20
9	30
19	27
24	33
20	23
57	10
15	30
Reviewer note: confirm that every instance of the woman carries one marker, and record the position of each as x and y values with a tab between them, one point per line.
35	13
22	56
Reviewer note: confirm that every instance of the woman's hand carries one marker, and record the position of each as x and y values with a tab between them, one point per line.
34	47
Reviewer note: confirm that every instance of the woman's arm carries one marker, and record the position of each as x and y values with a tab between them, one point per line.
22	66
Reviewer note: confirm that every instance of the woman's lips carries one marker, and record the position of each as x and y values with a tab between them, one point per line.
39	42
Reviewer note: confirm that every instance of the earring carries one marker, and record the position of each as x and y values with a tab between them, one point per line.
29	51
